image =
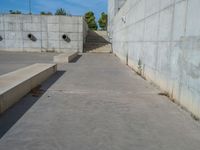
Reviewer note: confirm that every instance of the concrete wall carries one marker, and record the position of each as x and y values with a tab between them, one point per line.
113	7
85	31
161	40
48	31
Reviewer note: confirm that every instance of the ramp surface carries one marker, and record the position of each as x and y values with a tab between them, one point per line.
100	104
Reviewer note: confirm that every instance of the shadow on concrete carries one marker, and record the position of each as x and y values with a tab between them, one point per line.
76	58
94	41
12	115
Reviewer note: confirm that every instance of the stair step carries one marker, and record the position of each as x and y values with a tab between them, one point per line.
97	42
91	45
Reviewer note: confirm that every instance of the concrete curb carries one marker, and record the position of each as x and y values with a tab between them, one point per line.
14	85
65	57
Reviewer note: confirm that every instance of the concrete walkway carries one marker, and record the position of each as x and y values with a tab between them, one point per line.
100	104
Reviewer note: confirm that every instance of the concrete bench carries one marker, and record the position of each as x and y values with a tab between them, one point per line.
16	84
65	57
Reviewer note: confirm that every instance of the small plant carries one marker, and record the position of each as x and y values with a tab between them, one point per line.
62	12
15	12
140	66
45	13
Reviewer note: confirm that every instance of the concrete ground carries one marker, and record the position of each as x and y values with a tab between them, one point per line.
98	103
10	61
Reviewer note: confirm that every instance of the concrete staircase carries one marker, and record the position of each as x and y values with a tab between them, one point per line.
97	42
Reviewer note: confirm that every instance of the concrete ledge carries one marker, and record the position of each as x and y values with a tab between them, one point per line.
65	57
14	85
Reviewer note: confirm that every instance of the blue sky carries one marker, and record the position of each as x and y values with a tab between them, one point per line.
76	7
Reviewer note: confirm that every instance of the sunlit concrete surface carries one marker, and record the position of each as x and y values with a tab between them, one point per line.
16	84
11	61
97	103
160	39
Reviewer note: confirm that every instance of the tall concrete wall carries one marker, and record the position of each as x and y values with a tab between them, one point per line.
113	7
48	31
161	40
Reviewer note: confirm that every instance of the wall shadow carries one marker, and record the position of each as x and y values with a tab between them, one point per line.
94	41
76	58
12	115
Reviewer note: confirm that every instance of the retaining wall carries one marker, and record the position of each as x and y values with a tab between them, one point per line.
47	30
161	40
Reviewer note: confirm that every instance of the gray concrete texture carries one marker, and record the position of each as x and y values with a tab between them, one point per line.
11	61
48	31
16	84
98	103
65	57
160	39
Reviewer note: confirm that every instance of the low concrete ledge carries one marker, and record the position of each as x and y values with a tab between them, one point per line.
65	57
14	85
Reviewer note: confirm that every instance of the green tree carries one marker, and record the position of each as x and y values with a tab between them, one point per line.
90	19
45	13
103	21
62	12
15	12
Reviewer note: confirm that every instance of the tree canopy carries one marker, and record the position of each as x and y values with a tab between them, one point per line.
103	20
45	13
15	12
90	19
62	11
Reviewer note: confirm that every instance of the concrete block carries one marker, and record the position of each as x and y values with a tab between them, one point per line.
166	3
179	20
52	19
35	19
140	10
37	35
13	35
45	28
150	49
1	23
166	25
72	36
151	7
44	35
151	28
163	58
26	18
139	31
65	57
12	26
13	44
35	27
12	18
69	28
53	27
14	85
193	24
69	20
32	44
53	44
71	44
53	35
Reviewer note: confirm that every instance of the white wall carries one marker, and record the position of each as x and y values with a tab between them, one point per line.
161	40
113	7
47	29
